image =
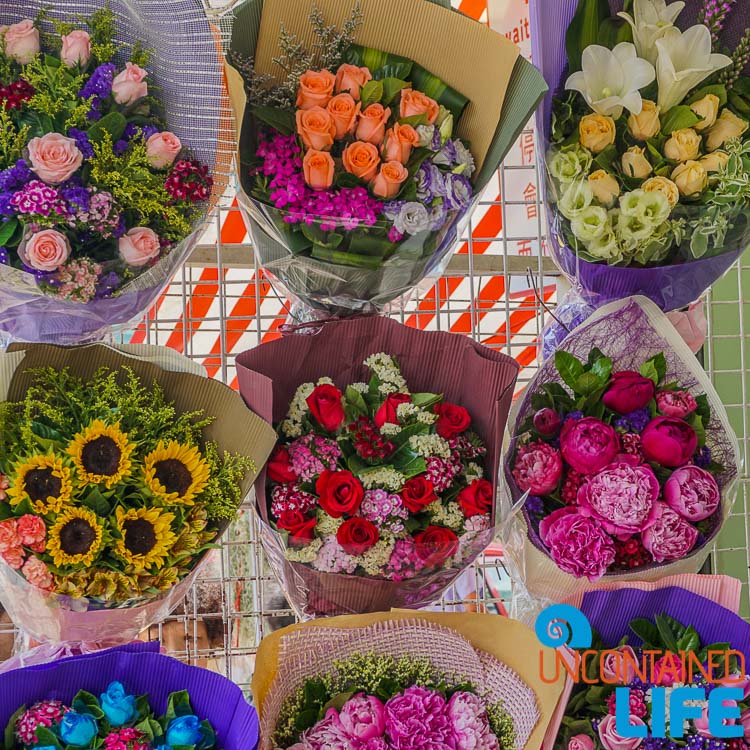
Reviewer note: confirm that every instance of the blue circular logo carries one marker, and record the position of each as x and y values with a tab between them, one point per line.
563	625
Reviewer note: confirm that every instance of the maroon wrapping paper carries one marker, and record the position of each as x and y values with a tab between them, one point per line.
480	379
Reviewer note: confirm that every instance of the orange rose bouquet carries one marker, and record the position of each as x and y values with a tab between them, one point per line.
355	164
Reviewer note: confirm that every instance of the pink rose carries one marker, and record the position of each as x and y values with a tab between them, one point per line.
622	497
578	545
611	740
37	574
363	717
22	42
693	493
669	670
162	149
588	444
628	392
54	157
46	250
669	442
32	532
130	85
538	468
678	404
670	537
691	325
745	721
701	725
616	667
581	742
139	246
76	49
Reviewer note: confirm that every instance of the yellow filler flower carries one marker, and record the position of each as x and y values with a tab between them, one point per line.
176	473
146	537
75	539
42	480
101	454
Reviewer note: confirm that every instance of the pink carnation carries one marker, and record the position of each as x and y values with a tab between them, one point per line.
538	468
622	497
670	537
693	493
677	404
4	484
11	549
577	544
471	727
32	532
37	574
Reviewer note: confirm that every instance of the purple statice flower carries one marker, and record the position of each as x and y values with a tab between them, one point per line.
120	147
76	197
101	216
82	141
430	183
6	207
702	458
458	192
575	415
99	85
107	284
121	228
693	742
4	257
15	177
37	198
535	505
143	131
385	510
636	421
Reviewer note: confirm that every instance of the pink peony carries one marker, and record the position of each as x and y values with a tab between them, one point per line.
327	734
363	717
139	246
32	532
628	392
418	718
577	544
538	468
22	42
678	404
693	493
471	727
54	158
581	742
614	666
668	441
46	250
37	574
130	85
670	537
76	49
622	497
162	149
613	741
745	721
588	444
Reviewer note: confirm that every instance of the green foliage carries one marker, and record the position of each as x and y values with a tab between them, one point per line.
223	493
12	139
103	31
584	29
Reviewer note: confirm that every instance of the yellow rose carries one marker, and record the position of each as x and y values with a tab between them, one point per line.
605	187
635	164
708	109
597	132
728	126
691	178
715	162
684	145
663	185
647	124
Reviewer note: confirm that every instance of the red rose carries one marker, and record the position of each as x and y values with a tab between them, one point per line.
435	545
476	499
388	411
301	529
340	493
325	405
452	420
418	493
357	535
628	392
280	468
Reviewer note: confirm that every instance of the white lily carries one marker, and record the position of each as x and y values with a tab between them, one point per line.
611	80
650	21
685	60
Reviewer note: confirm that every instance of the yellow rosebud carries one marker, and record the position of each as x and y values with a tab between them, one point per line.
605	187
665	186
635	164
647	124
715	162
708	109
597	132
728	126
691	178
684	145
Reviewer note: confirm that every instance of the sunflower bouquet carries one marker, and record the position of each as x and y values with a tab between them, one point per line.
113	487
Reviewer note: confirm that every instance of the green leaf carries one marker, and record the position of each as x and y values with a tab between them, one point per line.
700	430
646	631
703	410
318	237
584	28
426	400
614	31
10	729
667	635
602	368
607	158
281	120
414	120
569	367
429	84
381	64
717	89
178	704
345	259
97	502
7	230
338	701
655	368
47	738
305	719
361	243
371	93
587	384
392	87
113	123
675	626
690	640
86	703
356	399
678	118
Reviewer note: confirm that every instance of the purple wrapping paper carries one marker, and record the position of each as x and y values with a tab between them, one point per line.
714	623
142	669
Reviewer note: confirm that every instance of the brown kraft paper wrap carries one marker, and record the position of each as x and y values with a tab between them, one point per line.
476	377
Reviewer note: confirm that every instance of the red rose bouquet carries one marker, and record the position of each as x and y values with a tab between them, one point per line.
622	460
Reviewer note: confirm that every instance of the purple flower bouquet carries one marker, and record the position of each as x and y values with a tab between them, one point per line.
106	174
644	164
128	697
623	464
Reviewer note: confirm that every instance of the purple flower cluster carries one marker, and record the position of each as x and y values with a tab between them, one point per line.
133	132
15	177
384	509
98	87
635	421
311	454
82	141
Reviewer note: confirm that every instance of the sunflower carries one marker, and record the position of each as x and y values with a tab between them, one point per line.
146	537
75	539
176	473
42	480
101	454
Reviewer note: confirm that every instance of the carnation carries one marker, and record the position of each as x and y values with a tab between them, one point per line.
538	468
670	537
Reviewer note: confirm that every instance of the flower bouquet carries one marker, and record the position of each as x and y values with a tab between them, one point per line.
119	471
648	144
382	486
403	681
100	201
126	698
623	459
354	160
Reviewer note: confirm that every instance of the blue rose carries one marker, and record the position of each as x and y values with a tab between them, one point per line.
78	729
163	747
118	706
44	747
185	730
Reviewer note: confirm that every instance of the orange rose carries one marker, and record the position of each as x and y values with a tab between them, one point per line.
399	141
372	123
316	128
319	168
416	103
388	182
315	89
344	111
351	78
361	159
